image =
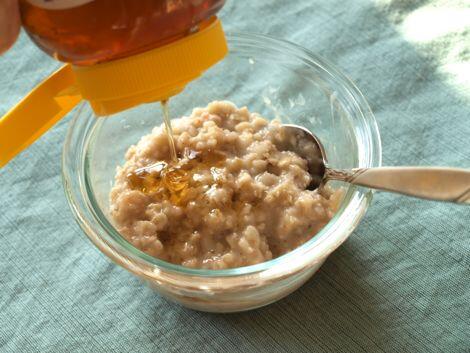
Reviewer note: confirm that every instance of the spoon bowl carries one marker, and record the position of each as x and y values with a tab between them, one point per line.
300	140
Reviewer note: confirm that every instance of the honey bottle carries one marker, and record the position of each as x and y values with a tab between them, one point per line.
117	54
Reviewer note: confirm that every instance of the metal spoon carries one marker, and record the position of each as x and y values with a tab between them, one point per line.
433	183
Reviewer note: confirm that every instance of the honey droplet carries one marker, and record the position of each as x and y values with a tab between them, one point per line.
172	181
147	179
176	179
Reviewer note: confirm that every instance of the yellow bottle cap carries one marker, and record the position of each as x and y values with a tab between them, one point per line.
151	76
111	87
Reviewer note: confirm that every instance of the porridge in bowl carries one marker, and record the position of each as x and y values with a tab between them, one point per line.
234	198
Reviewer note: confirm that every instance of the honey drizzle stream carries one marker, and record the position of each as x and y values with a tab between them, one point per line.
171	179
169	130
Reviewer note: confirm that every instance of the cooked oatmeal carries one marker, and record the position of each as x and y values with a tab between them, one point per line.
234	199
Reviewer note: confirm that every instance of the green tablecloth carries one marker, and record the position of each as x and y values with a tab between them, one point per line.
399	284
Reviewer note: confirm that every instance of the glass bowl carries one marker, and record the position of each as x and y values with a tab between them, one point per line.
274	78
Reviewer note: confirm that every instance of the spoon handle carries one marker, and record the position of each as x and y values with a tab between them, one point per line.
442	184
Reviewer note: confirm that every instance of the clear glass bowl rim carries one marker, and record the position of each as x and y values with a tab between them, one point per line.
372	158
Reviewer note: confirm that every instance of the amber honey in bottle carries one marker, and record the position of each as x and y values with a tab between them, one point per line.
86	32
